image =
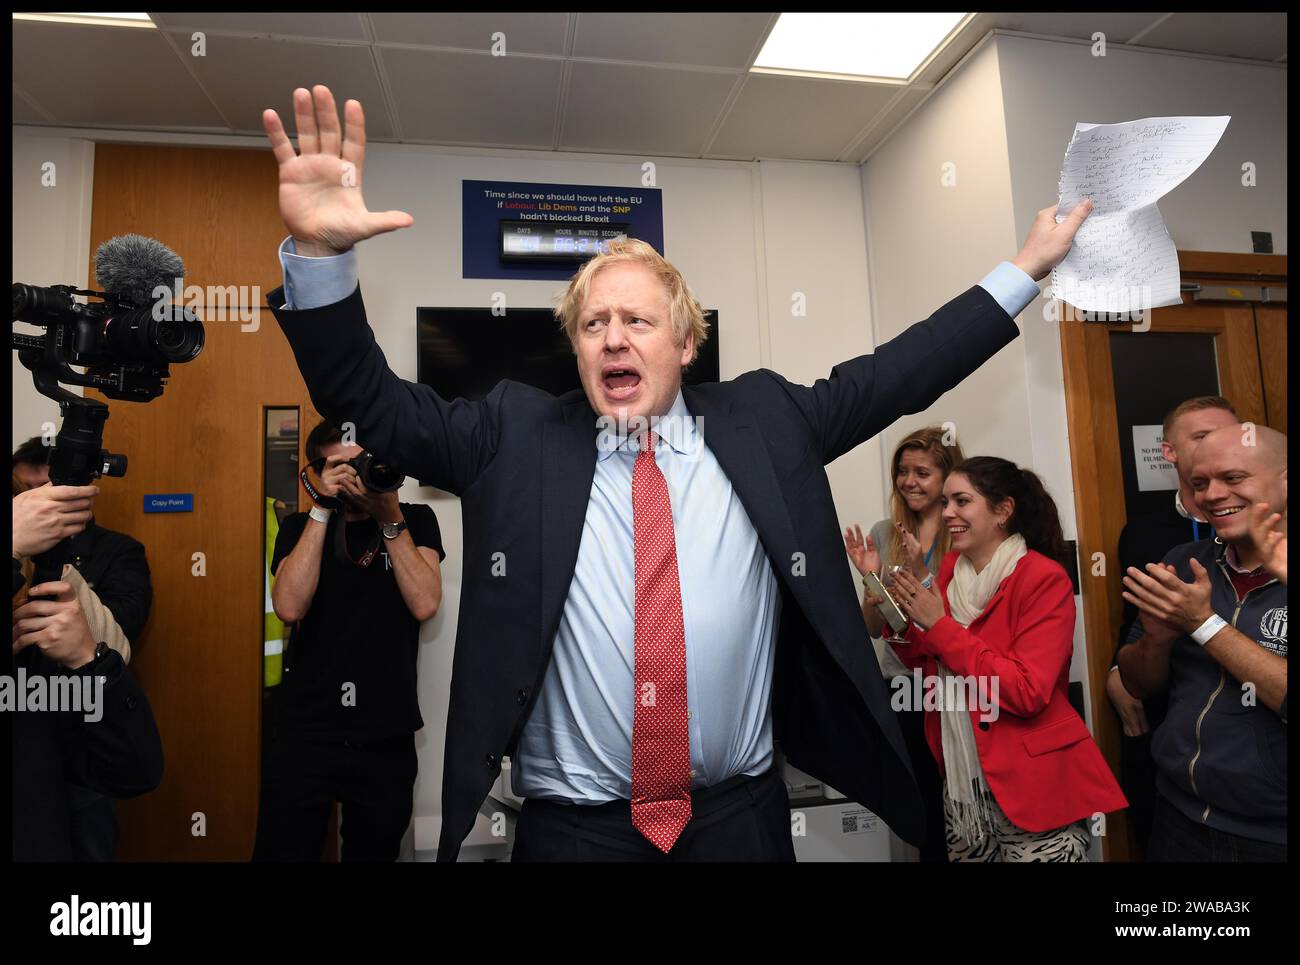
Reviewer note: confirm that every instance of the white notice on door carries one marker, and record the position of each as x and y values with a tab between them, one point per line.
1154	471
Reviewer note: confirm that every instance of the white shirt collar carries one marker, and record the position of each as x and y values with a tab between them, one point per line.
1182	510
676	428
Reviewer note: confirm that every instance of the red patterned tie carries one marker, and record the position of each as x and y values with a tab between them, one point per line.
661	744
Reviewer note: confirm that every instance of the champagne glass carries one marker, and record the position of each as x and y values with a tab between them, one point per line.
887	579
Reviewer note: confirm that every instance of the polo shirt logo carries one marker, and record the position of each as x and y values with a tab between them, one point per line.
1272	629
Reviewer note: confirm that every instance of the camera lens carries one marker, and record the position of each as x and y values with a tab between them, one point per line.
384	478
138	336
39	306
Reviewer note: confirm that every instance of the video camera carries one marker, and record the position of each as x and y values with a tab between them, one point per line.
124	346
125	341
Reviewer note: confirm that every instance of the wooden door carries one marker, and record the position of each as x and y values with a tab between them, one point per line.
200	657
1247	342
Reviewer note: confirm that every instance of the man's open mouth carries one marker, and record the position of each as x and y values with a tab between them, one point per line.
619	380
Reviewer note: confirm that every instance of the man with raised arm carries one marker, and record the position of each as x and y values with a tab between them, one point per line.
654	590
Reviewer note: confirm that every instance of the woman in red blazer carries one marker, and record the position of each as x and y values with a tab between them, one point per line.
1023	778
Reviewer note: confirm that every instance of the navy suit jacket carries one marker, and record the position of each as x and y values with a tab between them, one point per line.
522	461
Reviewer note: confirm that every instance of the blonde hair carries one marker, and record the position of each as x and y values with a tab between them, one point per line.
1195	404
687	315
930	441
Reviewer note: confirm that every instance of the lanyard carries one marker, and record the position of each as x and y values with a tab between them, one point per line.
929	554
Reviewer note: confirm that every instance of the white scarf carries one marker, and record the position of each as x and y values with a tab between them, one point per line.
965	786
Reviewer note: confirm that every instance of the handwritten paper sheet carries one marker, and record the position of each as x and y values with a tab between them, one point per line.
1123	259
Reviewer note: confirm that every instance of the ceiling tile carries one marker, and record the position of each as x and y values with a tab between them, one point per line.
246	75
637	83
473	98
884	123
1261	36
1119	28
525	33
24	113
326	26
798	117
699	39
641	110
147	85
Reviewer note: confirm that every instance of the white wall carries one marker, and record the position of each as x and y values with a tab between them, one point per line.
51	239
1048	86
814	246
929	242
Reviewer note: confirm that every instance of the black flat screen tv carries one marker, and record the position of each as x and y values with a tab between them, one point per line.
464	352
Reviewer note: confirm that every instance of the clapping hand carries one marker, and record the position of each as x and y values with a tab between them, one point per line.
921	604
1162	595
1270	542
863	553
913	552
865	557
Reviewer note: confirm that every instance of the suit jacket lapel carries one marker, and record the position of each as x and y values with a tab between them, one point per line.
733	437
568	468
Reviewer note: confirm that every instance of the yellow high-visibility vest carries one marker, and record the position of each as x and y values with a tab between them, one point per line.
273	626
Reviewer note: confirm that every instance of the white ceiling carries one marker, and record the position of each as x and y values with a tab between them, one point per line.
667	84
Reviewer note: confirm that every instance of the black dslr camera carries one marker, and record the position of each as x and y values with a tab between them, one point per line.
375	475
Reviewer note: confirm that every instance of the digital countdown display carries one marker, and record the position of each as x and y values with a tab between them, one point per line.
556	242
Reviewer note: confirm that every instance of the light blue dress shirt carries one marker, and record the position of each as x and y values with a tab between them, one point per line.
577	743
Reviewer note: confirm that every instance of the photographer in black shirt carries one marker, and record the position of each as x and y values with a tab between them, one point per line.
356	583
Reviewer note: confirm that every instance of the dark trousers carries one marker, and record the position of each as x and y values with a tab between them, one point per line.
94	825
741	819
934	846
302	778
1175	837
1137	778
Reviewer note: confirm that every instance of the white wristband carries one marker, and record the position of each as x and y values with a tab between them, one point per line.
320	515
1208	629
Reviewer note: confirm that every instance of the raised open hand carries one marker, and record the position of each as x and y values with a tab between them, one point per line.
862	552
320	188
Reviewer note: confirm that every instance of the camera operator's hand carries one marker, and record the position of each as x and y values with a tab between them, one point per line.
320	188
381	507
46	514
333	475
56	624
